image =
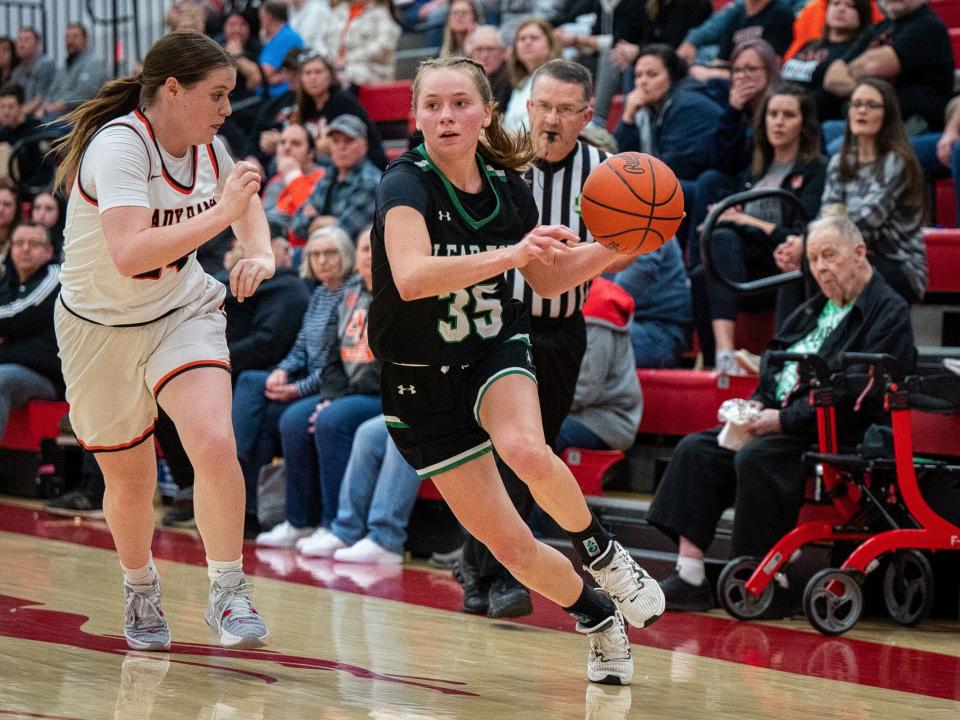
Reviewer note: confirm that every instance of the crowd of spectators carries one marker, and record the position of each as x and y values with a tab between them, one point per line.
833	101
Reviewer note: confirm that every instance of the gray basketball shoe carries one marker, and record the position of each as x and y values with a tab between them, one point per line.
636	594
610	661
231	615
144	627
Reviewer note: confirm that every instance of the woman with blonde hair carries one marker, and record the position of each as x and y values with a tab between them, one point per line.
534	44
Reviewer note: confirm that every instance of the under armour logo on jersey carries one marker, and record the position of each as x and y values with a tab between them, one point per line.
444	214
404	389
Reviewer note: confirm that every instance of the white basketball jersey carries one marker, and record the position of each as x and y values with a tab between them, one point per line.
126	158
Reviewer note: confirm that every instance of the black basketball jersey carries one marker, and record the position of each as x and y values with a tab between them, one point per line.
458	327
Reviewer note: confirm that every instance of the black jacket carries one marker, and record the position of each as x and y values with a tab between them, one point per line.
26	322
262	328
879	322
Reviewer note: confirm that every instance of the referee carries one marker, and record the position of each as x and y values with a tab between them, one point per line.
559	109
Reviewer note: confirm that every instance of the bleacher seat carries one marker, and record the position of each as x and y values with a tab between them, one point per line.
948	10
387	102
31	424
935	434
955	44
428	491
754	330
679	402
946	203
943	260
588	467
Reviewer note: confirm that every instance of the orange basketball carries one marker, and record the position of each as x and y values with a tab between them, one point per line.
632	203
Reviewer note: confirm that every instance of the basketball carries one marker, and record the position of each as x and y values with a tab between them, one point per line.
632	203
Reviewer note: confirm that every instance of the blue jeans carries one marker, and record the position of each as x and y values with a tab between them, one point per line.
574	433
378	492
925	146
656	345
18	386
315	462
256	425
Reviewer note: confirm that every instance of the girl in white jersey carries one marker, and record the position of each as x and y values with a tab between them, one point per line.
140	324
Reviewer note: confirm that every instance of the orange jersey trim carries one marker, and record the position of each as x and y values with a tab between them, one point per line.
123	446
189	366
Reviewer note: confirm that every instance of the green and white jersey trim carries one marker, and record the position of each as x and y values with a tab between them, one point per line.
455	461
395	422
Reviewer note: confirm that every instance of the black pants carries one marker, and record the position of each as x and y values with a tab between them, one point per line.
558	347
764	482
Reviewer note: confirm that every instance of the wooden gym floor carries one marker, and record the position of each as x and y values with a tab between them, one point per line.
389	644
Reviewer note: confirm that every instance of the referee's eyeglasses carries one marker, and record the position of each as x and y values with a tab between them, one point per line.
564	112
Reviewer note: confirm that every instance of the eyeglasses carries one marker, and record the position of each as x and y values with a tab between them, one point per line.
746	70
564	112
328	253
32	244
866	105
485	49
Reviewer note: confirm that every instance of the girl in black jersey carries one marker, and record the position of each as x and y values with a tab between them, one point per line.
457	381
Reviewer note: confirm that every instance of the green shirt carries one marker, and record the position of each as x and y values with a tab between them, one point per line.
831	316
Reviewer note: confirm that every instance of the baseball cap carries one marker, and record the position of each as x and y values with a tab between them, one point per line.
349	125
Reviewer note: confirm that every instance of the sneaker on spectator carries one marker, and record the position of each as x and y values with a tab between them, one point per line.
476	590
231	615
682	596
82	502
599	137
144	626
635	593
610	661
444	561
322	543
283	535
367	551
747	361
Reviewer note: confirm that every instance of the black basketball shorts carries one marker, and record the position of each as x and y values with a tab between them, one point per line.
433	413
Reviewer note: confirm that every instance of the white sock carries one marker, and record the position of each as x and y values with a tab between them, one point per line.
726	361
691	570
140	576
227	573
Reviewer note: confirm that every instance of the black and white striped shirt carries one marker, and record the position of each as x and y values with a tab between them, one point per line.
556	189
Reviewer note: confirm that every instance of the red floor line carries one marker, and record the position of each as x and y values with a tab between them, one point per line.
862	662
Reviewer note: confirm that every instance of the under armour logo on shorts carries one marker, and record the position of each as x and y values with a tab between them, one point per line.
444	214
404	389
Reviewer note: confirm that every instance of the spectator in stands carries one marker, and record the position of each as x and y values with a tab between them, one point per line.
845	21
607	403
46	211
297	174
309	18
259	330
317	441
243	46
663	310
279	39
260	397
485	45
274	114
377	495
424	15
746	239
877	178
463	18
8	58
361	39
515	13
79	80
321	99
912	51
854	311
769	20
346	194
939	153
29	365
16	125
9	214
668	115
534	45
34	71
185	15
811	20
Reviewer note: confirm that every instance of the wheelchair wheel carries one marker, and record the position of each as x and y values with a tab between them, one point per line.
833	601
733	595
908	588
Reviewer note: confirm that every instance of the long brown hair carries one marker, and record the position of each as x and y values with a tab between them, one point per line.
518	71
809	147
185	55
496	143
891	138
307	109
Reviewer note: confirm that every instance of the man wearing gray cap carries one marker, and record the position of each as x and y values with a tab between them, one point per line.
346	194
